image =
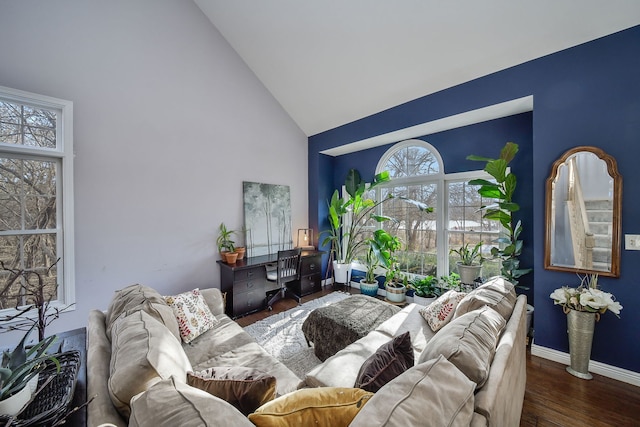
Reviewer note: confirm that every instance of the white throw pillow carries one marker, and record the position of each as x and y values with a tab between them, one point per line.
441	311
193	314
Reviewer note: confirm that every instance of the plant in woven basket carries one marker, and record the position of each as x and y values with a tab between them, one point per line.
23	363
586	297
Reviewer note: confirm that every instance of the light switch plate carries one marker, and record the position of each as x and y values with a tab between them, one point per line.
632	242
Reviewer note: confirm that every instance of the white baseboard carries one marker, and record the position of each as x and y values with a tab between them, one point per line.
619	374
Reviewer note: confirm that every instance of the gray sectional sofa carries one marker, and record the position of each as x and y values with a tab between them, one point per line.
137	366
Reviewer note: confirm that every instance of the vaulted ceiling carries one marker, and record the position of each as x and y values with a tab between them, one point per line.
330	62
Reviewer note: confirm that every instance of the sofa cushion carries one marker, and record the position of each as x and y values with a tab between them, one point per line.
324	406
441	311
469	342
341	369
434	391
496	293
139	297
172	403
193	314
389	361
143	351
244	388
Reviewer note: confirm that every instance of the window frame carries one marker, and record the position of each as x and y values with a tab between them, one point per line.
441	181
63	155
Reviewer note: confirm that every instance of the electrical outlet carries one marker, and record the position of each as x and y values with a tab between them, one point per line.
632	242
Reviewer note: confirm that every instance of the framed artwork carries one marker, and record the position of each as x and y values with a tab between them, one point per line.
267	217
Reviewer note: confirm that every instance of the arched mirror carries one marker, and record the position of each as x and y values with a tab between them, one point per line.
584	199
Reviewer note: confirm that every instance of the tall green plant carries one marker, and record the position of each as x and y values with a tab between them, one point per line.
347	240
510	247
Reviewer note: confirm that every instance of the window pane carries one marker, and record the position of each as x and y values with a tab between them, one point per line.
26	125
28	194
412	161
415	228
33	253
466	225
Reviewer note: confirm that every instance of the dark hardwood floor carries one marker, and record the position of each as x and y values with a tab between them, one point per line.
553	397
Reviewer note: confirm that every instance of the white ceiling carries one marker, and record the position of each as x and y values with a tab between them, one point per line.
330	62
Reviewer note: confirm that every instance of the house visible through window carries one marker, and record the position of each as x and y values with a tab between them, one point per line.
36	197
417	172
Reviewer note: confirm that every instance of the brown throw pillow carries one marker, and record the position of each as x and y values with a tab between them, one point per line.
389	361
245	388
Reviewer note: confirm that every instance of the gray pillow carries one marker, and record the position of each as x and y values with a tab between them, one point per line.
434	393
469	342
172	403
496	293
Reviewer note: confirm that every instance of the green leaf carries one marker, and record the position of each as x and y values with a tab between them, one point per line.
478	158
509	186
490	192
497	169
509	206
353	183
481	181
509	151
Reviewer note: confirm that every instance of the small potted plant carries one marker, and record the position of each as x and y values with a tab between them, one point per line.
425	289
452	281
369	284
226	245
19	372
470	264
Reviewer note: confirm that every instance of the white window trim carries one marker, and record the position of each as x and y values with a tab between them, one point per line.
441	180
63	152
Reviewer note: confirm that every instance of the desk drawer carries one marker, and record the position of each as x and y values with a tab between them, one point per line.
310	284
311	265
247	302
249	274
249	285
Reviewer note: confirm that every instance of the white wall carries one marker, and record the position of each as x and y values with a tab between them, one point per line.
168	123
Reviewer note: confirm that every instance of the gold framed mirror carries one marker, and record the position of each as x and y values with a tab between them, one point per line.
583	209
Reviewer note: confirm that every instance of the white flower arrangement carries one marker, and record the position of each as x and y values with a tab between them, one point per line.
586	297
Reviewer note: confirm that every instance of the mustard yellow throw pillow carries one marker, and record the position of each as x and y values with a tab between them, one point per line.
318	407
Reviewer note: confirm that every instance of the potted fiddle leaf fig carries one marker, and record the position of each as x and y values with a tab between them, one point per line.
502	190
470	264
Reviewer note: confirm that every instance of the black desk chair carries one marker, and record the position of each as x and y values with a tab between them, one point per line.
287	270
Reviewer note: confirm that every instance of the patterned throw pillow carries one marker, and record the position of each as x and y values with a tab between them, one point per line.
193	314
441	311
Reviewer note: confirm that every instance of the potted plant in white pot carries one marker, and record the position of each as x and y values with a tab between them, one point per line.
425	289
349	220
19	373
470	263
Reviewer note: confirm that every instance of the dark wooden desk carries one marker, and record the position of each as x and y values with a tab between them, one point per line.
244	282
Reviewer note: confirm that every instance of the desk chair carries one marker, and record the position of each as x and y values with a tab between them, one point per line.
287	270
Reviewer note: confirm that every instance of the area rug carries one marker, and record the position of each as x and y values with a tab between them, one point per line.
281	334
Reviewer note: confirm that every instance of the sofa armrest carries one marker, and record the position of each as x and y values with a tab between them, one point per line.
101	410
214	299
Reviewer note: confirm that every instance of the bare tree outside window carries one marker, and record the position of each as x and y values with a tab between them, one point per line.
29	205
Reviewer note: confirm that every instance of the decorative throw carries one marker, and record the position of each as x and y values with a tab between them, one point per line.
193	314
441	311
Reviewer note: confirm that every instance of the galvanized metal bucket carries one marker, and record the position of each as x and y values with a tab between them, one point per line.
580	326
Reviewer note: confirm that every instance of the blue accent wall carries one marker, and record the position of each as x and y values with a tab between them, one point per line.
586	95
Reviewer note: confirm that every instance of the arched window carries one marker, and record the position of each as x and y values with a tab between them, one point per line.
417	172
